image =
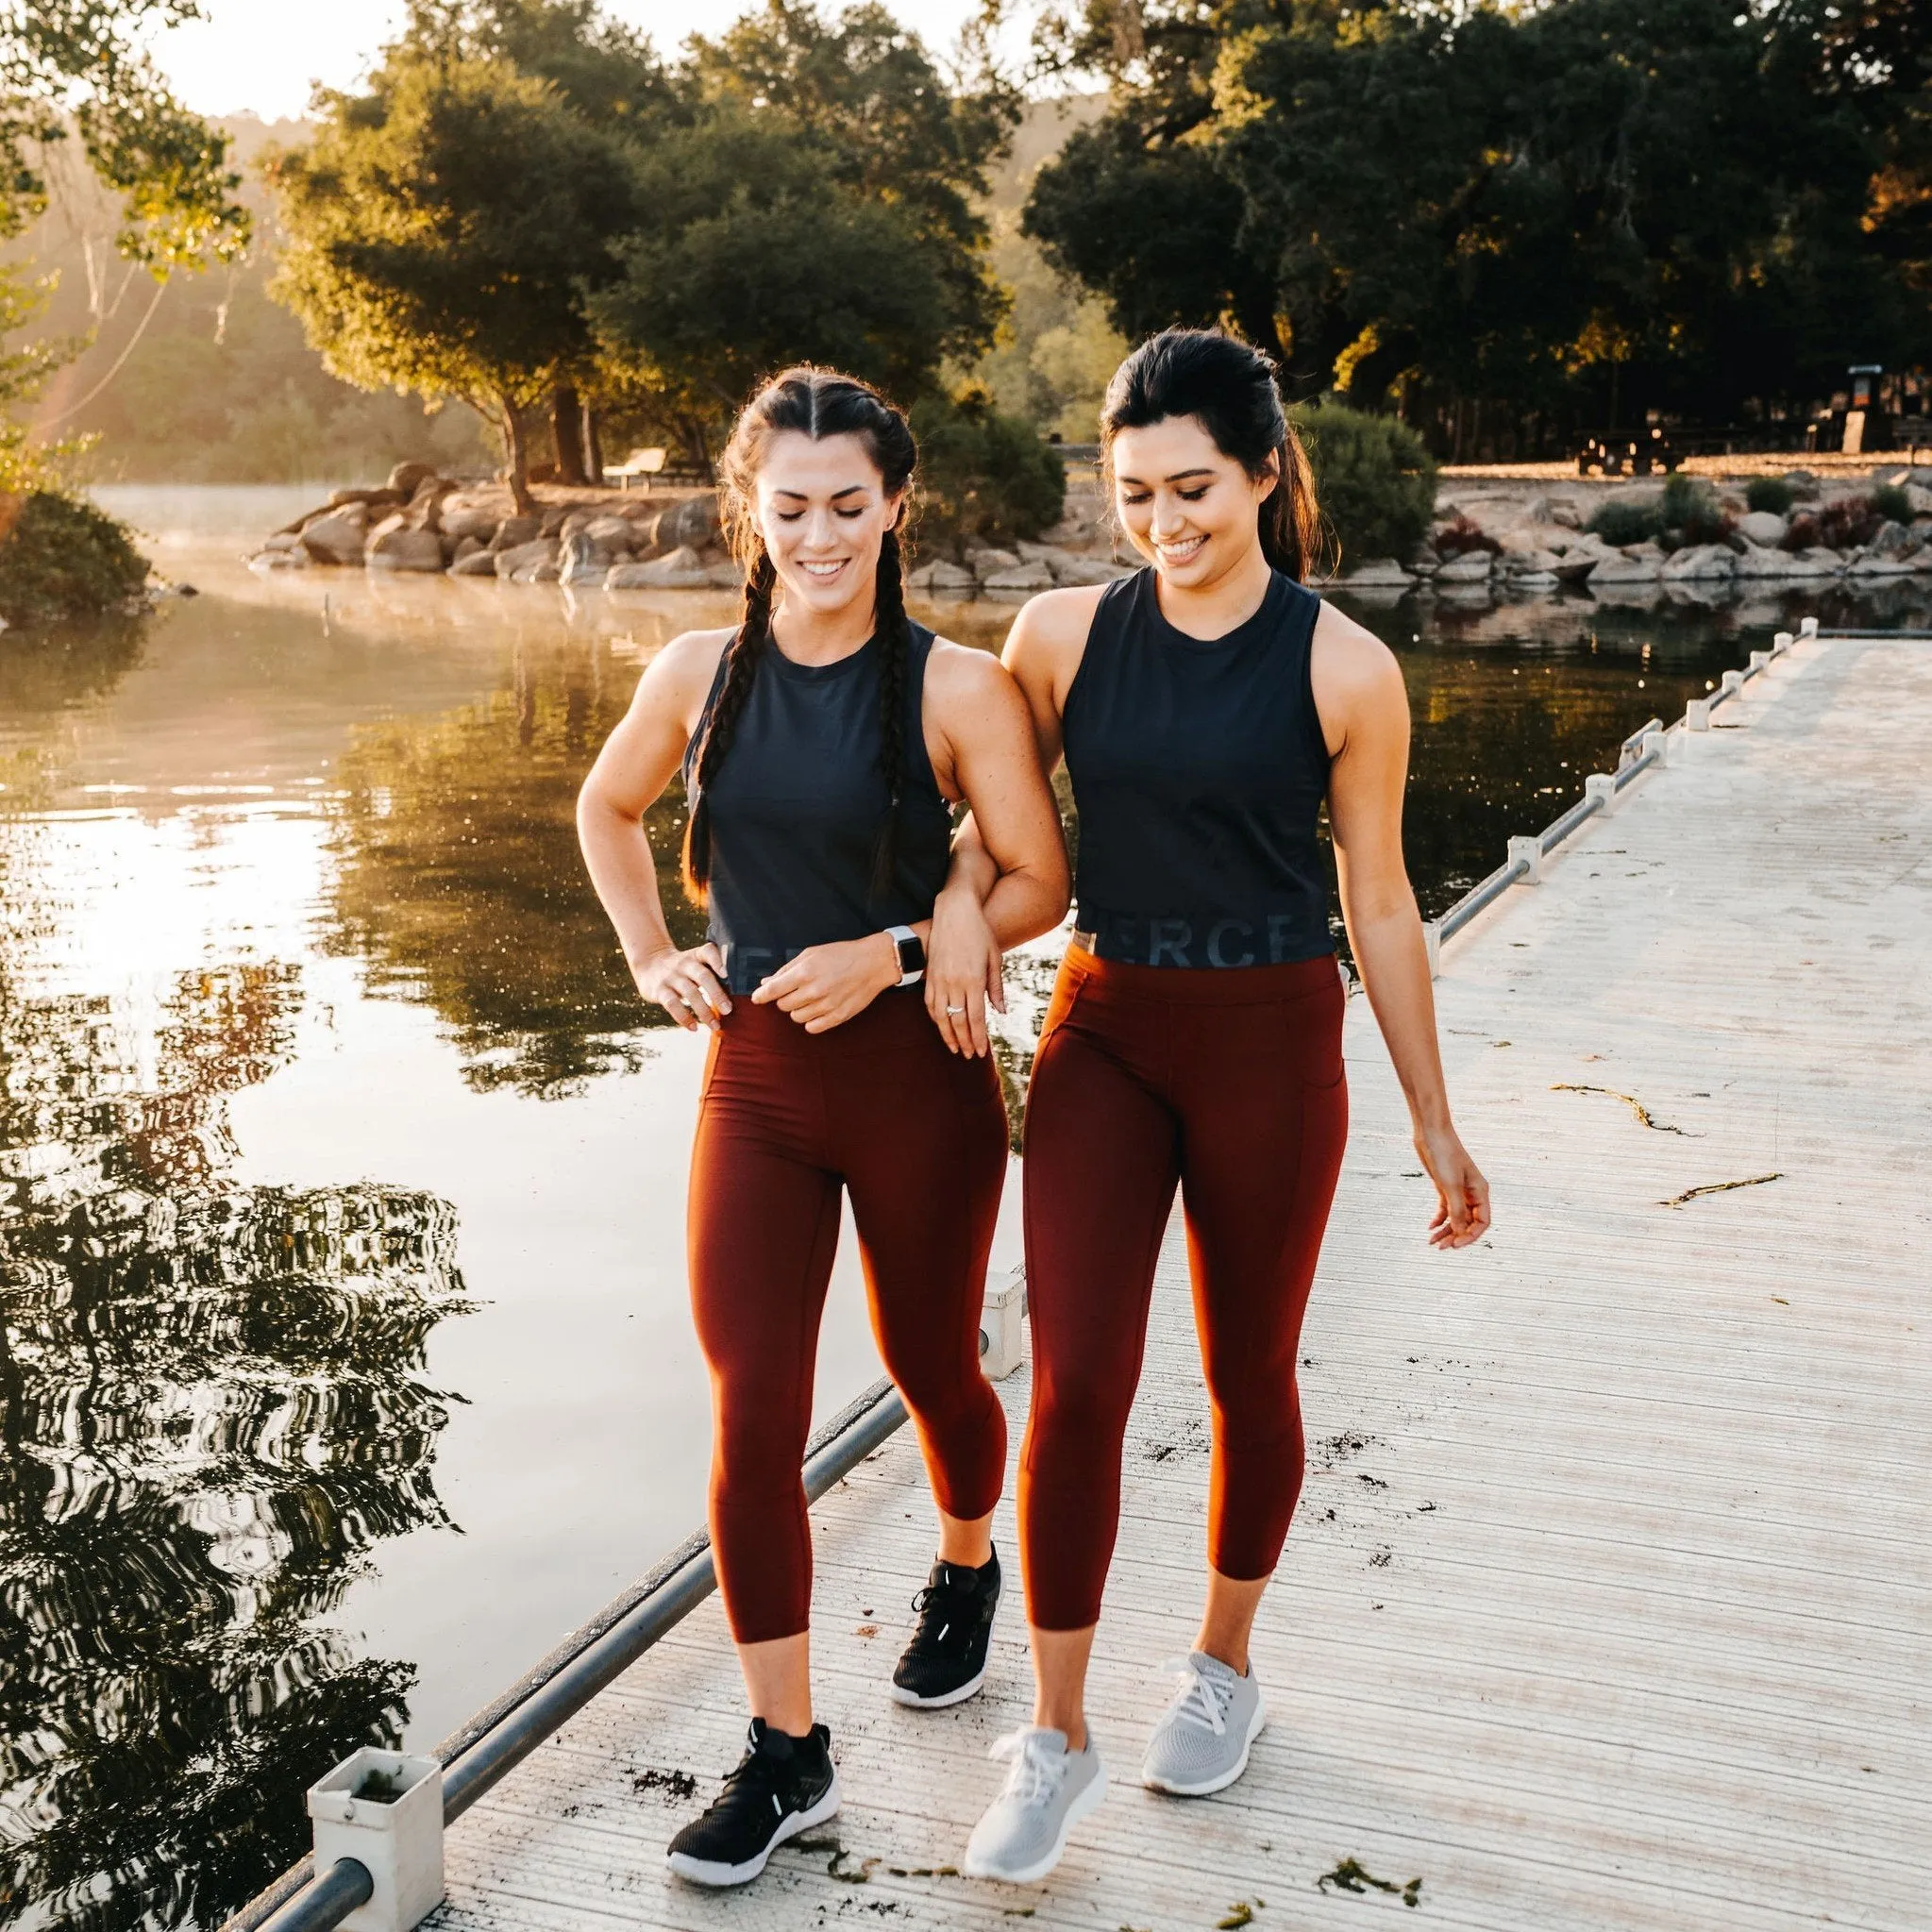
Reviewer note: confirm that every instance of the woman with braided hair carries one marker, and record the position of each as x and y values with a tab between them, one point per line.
823	740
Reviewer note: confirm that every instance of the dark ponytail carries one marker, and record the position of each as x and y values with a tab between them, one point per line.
818	403
1231	390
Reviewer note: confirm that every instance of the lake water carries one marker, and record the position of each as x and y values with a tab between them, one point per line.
346	1363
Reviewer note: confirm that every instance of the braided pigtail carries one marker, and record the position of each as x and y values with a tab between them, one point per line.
741	666
894	633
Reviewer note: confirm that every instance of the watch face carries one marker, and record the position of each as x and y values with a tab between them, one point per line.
911	954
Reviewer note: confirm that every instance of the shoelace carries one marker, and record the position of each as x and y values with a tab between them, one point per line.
749	1786
944	1604
1203	1700
1038	1772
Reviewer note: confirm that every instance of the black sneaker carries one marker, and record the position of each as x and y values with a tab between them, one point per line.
946	1661
782	1786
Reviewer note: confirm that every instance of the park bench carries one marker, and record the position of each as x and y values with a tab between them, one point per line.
653	466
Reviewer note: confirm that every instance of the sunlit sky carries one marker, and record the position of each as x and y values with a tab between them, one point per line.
265	56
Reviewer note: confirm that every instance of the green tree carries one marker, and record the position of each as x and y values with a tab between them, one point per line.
748	220
443	231
1568	212
76	71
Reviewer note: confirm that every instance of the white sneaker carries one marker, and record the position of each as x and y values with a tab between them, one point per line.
1200	1744
1049	1789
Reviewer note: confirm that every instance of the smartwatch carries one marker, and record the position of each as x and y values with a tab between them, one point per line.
911	954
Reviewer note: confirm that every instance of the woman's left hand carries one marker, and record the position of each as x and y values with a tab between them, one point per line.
827	984
1462	1195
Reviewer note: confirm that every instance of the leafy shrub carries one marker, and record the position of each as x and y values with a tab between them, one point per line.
1803	535
1772	494
1890	504
63	559
1689	514
1620	521
984	477
1374	479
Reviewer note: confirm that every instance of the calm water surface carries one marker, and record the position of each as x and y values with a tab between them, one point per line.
344	1361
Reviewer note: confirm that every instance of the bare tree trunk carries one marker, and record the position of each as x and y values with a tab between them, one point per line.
593	448
566	431
515	456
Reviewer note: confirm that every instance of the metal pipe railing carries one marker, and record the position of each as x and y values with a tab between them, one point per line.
501	1736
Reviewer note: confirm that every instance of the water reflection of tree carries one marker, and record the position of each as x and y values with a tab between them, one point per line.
211	1411
460	880
43	672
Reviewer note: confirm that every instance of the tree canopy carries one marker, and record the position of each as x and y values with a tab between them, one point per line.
1573	211
442	228
527	201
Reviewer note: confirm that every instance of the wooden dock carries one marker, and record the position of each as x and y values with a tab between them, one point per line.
1609	1601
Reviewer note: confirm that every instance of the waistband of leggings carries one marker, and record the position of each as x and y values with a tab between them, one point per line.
897	1017
1200	986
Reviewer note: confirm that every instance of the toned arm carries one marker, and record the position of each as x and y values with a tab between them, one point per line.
630	773
1365	717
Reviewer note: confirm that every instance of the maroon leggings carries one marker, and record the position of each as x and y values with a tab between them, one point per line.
1229	1084
917	1137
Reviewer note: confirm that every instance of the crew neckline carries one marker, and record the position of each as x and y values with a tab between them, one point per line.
1171	632
791	668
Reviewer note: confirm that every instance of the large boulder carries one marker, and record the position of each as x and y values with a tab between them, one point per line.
984	562
406	479
1090	570
476	564
592	547
1893	540
1469	566
941	575
691	524
424	508
1379	573
514	530
1699	560
396	544
683	569
1877	563
1763	527
524	556
1623	568
338	536
462	520
1021	580
1778	566
387	499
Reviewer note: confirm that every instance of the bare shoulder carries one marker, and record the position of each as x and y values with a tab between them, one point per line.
1047	641
956	673
680	675
1351	670
1056	620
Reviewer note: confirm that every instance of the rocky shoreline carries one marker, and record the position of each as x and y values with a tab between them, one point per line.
1490	538
1530	539
422	523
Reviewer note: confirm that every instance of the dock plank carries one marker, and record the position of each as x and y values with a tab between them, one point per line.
1609	1600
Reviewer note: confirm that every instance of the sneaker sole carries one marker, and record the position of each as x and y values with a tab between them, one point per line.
711	1872
1220	1782
914	1701
1087	1803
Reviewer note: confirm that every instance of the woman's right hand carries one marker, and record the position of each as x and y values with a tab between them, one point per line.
963	971
688	985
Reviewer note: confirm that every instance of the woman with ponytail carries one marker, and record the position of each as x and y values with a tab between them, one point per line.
1207	707
823	740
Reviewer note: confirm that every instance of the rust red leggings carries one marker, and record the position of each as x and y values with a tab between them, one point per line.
917	1138
1230	1085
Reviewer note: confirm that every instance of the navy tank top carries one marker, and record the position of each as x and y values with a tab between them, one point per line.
1198	770
797	806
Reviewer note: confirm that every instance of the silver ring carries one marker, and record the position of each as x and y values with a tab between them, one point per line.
955	1008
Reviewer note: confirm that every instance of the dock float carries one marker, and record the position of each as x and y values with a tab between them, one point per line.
1608	1603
